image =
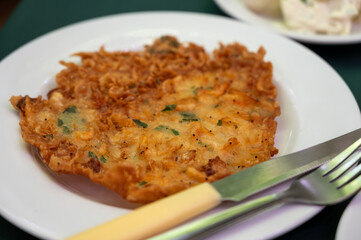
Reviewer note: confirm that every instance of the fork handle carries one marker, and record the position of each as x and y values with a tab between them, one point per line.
242	210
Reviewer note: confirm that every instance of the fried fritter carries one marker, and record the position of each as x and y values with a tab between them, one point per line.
150	123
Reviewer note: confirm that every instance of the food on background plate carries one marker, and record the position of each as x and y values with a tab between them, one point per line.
270	8
312	16
153	122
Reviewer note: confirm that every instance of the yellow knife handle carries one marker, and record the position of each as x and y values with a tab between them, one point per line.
156	217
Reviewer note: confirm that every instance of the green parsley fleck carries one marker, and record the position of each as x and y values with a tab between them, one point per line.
195	91
103	159
142	183
175	132
169	107
92	155
235	126
140	123
49	136
60	122
66	130
170	40
219	123
163	127
188	117
174	44
71	109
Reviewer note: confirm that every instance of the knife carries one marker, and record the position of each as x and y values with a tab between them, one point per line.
168	212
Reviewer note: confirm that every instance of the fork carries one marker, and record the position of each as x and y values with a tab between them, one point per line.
331	183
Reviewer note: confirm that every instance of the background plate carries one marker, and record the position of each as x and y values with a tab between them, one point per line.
238	10
349	226
51	206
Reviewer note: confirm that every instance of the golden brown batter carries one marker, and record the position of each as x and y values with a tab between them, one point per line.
150	123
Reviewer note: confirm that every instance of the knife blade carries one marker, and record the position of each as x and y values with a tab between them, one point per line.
168	212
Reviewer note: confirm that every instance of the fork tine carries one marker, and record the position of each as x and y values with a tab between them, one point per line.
346	165
336	161
348	176
351	187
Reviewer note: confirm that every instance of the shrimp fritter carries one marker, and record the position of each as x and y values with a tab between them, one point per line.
153	122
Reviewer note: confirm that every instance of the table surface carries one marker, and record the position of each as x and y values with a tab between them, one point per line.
32	19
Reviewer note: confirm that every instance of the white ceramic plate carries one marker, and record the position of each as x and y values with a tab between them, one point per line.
316	106
349	226
238	10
